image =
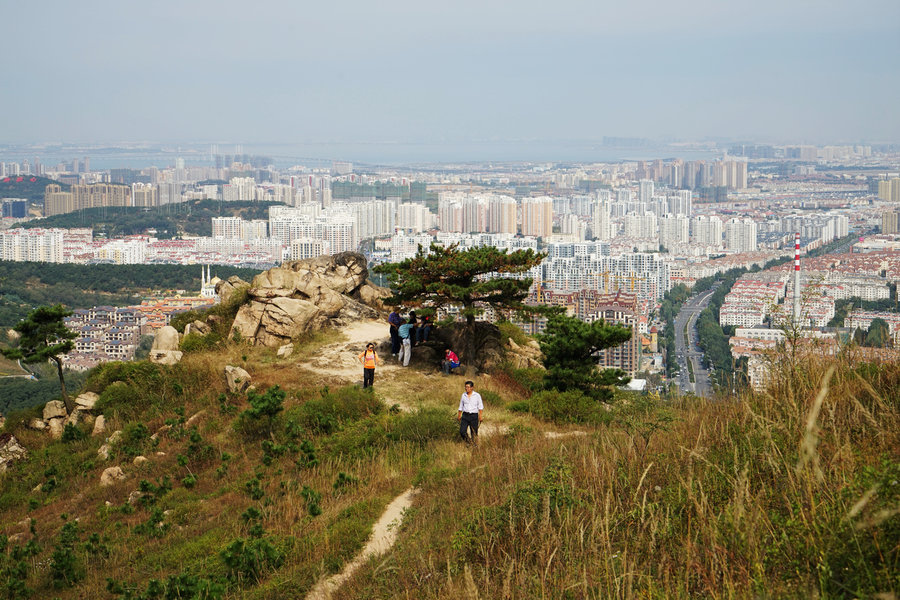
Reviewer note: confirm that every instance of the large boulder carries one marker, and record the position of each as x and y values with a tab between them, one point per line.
10	451
237	379
224	289
166	357
99	426
54	409
86	401
166	338
307	295
165	346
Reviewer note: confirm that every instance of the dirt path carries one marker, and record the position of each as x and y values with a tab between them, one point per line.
384	534
341	358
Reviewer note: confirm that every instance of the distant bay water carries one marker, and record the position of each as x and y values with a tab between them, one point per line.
362	154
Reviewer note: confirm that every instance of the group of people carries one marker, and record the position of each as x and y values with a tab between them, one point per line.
471	406
407	332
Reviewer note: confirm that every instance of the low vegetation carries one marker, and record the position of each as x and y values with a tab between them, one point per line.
788	493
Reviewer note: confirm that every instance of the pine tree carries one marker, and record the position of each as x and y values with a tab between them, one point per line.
570	347
444	276
44	336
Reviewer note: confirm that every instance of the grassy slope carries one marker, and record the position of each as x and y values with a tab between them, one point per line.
689	499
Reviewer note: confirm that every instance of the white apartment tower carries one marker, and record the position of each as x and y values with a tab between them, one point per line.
537	216
706	231
740	235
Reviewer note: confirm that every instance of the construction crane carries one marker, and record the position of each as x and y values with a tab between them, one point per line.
605	275
539	288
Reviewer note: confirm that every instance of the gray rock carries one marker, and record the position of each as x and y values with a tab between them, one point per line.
197	327
10	451
37	424
111	475
103	451
86	401
285	351
99	426
195	418
53	409
166	357
56	426
166	338
139	460
237	379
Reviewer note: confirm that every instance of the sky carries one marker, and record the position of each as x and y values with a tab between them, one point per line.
270	71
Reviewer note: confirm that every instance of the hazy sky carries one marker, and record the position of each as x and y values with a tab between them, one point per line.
286	71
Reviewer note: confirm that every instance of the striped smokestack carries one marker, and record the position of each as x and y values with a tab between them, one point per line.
796	279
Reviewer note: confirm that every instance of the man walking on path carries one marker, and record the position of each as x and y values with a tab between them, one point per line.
469	414
395	322
369	360
405	332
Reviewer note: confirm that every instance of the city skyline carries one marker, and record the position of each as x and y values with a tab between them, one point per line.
405	73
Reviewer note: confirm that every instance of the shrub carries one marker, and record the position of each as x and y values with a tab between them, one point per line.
491	399
65	568
119	395
194	342
326	414
258	420
73	433
134	439
422	426
571	406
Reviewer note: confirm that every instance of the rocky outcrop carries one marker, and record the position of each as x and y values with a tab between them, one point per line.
237	379
528	356
197	327
165	346
10	451
86	401
285	351
224	289
307	295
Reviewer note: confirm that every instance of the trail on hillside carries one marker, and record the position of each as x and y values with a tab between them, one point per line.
341	359
384	534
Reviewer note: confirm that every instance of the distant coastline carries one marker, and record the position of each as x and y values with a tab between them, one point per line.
364	154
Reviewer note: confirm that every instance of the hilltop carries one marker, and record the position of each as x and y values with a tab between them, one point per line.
267	492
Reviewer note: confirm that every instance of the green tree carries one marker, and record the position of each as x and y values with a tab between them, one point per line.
570	347
44	337
449	276
879	334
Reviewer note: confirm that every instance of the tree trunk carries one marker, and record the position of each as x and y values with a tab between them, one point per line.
471	367
62	384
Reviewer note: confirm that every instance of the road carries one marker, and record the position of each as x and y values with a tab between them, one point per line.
686	349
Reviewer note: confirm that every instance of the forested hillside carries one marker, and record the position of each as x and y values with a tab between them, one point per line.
25	285
187	218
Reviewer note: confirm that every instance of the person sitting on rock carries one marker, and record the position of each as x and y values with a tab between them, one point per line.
450	361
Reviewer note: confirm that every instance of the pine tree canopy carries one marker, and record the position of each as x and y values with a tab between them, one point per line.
447	275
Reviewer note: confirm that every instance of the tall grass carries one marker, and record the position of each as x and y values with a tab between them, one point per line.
789	493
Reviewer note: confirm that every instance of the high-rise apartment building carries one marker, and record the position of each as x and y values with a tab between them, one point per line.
706	231
502	215
537	216
145	194
94	195
889	190
740	235
674	229
890	221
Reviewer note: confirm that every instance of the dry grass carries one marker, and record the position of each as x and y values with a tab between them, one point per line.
783	494
744	498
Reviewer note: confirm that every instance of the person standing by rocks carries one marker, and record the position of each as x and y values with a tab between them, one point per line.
395	322
405	332
470	413
369	360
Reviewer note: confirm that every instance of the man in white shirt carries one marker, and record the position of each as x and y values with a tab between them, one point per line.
469	414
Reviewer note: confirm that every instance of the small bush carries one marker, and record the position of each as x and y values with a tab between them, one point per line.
328	413
119	395
135	438
571	406
422	426
194	342
491	399
73	433
65	568
258	420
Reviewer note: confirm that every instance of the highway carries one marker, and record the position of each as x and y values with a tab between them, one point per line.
686	348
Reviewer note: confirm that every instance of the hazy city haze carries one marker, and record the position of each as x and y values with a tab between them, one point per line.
271	71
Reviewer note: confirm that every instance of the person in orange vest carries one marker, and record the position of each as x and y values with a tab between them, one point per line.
369	360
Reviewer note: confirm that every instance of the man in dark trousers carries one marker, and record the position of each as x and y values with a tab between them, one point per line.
395	322
469	414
